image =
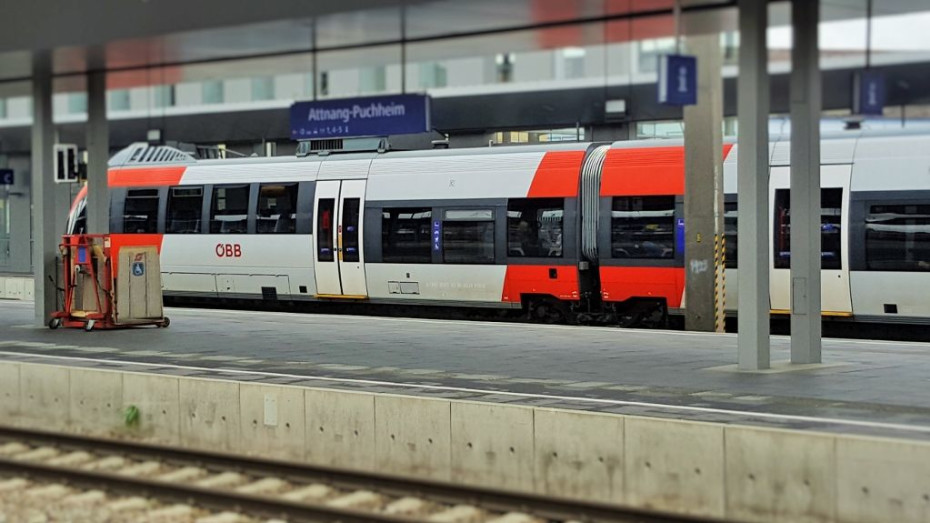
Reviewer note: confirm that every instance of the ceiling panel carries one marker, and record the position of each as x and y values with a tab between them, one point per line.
285	41
360	27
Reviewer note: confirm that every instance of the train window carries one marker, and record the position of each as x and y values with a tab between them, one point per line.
229	213
643	227
324	230
468	236
80	225
534	227
140	213
897	237
184	208
831	203
730	226
350	243
277	208
405	235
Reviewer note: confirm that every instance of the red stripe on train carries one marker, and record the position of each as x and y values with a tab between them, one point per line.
146	176
77	199
622	283
536	279
726	150
557	175
648	171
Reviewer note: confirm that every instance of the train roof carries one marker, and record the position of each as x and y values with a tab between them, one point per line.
143	154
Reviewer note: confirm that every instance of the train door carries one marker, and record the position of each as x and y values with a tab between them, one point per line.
337	224
834	276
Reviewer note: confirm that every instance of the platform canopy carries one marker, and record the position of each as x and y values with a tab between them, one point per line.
157	33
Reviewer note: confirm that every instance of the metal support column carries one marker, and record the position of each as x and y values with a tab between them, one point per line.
805	183
44	235
703	185
98	150
753	187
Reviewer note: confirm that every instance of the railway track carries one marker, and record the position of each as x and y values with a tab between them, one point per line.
120	476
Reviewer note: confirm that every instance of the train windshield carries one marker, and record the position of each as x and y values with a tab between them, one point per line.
77	219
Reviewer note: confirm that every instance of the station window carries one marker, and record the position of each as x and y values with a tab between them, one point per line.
118	100
184	207
897	237
405	235
229	213
277	208
324	230
468	236
730	226
213	92
372	79
262	88
643	227
534	227
831	202
163	96
140	212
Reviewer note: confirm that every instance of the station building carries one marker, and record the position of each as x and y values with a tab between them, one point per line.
506	72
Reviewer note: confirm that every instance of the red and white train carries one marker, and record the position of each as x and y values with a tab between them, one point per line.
559	230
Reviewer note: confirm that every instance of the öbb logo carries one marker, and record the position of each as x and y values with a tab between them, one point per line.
228	250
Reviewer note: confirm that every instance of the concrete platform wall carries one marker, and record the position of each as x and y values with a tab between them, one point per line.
736	472
16	288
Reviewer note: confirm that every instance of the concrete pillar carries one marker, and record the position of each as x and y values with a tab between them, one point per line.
753	187
98	150
805	184
44	235
703	184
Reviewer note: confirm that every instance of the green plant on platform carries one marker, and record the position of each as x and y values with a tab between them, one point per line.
131	416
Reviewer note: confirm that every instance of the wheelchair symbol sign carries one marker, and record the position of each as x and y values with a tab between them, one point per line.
138	268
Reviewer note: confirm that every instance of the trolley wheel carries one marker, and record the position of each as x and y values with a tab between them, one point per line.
54	323
89	326
165	322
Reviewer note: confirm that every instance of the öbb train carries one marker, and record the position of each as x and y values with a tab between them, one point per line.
561	231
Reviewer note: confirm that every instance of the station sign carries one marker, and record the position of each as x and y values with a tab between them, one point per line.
869	93
65	163
677	79
355	117
6	177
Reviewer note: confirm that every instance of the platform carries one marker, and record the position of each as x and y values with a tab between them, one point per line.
864	387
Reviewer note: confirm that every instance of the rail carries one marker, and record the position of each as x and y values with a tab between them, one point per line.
374	492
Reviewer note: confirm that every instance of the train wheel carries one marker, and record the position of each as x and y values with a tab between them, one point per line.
643	314
548	311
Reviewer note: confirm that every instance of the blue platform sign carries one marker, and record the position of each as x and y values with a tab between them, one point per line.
869	93
352	117
677	79
6	177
